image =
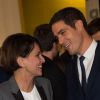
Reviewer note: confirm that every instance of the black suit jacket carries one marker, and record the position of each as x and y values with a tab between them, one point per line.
56	77
93	84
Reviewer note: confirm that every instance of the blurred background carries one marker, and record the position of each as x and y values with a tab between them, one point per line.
24	15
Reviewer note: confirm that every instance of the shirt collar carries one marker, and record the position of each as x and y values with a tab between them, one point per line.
91	50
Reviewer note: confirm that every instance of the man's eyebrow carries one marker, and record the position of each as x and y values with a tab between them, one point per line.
60	31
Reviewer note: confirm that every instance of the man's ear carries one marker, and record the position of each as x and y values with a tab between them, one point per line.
79	25
20	61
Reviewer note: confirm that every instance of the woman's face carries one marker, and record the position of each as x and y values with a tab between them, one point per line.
33	62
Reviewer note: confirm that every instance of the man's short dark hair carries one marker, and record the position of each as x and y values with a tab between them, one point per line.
69	15
94	26
45	36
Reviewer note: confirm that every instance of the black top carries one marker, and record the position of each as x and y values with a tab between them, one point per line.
3	75
57	78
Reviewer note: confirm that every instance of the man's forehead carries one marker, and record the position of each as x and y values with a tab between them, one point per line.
59	28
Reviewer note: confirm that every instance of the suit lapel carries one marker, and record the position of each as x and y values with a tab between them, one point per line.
75	71
41	92
76	77
94	70
18	96
15	89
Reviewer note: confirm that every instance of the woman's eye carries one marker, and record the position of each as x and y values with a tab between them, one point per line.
37	55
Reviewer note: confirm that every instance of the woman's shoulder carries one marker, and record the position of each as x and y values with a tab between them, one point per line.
42	80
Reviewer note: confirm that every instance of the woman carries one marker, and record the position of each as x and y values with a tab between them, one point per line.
21	56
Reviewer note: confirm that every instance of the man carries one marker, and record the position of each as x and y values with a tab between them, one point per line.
83	77
94	28
50	69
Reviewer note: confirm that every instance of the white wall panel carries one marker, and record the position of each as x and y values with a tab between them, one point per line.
9	18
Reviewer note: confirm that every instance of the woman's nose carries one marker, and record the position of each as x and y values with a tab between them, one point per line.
42	59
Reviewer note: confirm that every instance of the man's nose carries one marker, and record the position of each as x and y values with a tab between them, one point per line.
60	40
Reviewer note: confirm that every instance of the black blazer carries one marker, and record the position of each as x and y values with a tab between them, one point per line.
56	77
93	84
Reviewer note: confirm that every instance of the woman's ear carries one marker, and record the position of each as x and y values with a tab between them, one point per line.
20	61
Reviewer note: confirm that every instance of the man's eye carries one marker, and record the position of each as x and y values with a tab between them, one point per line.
62	32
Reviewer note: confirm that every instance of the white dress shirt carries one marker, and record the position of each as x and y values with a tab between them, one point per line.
88	61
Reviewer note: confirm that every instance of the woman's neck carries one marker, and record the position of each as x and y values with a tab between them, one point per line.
24	82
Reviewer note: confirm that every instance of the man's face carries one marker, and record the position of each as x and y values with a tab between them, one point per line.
68	37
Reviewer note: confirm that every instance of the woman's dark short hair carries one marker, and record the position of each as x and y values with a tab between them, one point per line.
16	45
